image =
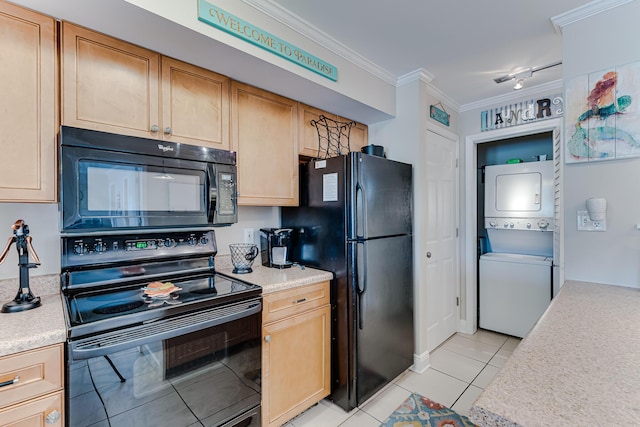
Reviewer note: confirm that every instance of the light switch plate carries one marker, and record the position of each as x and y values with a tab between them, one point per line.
586	224
248	235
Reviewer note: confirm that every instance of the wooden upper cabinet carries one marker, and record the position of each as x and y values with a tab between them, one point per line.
313	142
195	105
359	136
107	84
309	143
113	86
264	135
28	102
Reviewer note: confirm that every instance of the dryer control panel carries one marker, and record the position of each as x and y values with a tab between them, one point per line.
534	224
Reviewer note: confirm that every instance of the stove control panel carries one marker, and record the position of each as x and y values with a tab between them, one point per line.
92	249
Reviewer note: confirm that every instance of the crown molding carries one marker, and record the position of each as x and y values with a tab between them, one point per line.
426	77
514	96
419	74
583	12
306	29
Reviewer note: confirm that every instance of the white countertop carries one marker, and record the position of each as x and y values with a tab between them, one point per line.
29	329
580	364
273	279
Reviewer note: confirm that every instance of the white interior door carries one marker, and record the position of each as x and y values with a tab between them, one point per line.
441	257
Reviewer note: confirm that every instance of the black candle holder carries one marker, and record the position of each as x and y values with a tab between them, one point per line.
24	300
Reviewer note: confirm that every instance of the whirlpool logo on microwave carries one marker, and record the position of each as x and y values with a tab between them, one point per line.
165	148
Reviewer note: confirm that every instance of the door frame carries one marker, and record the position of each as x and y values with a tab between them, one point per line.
469	324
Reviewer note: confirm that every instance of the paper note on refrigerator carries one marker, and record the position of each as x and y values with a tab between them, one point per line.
330	187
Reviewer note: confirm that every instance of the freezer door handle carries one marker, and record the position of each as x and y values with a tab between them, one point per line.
361	211
361	257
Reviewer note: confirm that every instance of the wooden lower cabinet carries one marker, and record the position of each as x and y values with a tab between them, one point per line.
295	357
46	411
32	388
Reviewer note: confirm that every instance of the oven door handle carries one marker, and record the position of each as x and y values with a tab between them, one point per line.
163	329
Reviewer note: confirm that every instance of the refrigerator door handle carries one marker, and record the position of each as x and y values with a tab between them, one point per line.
361	211
361	257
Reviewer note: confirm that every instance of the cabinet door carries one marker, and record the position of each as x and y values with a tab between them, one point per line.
38	372
107	84
28	101
195	105
263	132
359	136
48	411
295	364
309	136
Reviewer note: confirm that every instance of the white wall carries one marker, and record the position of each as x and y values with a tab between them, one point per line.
42	220
611	257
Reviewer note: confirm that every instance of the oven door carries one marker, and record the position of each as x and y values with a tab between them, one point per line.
208	377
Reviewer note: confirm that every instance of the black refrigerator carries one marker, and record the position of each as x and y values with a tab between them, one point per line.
355	220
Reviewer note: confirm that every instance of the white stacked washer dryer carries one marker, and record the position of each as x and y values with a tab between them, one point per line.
516	274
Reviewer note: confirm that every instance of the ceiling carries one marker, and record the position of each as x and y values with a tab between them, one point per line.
463	46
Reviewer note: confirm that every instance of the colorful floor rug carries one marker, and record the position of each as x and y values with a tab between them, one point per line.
418	411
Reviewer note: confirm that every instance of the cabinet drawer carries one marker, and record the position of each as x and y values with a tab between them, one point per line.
38	372
47	411
281	304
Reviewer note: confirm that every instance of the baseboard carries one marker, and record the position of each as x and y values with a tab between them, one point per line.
467	327
421	362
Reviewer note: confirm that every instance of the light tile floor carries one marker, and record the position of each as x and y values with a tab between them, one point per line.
460	369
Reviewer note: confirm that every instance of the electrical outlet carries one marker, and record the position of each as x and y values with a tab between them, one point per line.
586	224
248	235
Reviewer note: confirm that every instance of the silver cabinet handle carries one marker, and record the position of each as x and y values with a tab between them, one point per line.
52	417
154	128
167	130
267	338
10	382
428	254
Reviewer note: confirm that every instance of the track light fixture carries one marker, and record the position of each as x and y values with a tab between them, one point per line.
521	75
519	84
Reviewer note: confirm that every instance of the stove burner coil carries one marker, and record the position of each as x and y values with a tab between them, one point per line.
117	307
205	291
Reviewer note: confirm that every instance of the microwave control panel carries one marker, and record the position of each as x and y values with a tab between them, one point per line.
226	190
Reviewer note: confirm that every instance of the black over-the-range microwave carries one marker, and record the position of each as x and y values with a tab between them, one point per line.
111	182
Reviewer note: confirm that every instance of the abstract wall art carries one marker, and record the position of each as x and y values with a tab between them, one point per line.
602	115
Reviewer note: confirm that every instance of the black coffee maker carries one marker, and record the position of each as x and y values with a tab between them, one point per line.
275	247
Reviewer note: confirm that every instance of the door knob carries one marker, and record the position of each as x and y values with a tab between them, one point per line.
154	128
428	254
267	338
167	130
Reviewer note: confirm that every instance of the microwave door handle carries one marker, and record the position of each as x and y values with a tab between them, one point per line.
213	192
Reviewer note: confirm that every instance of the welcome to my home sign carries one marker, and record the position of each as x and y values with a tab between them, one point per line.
237	27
